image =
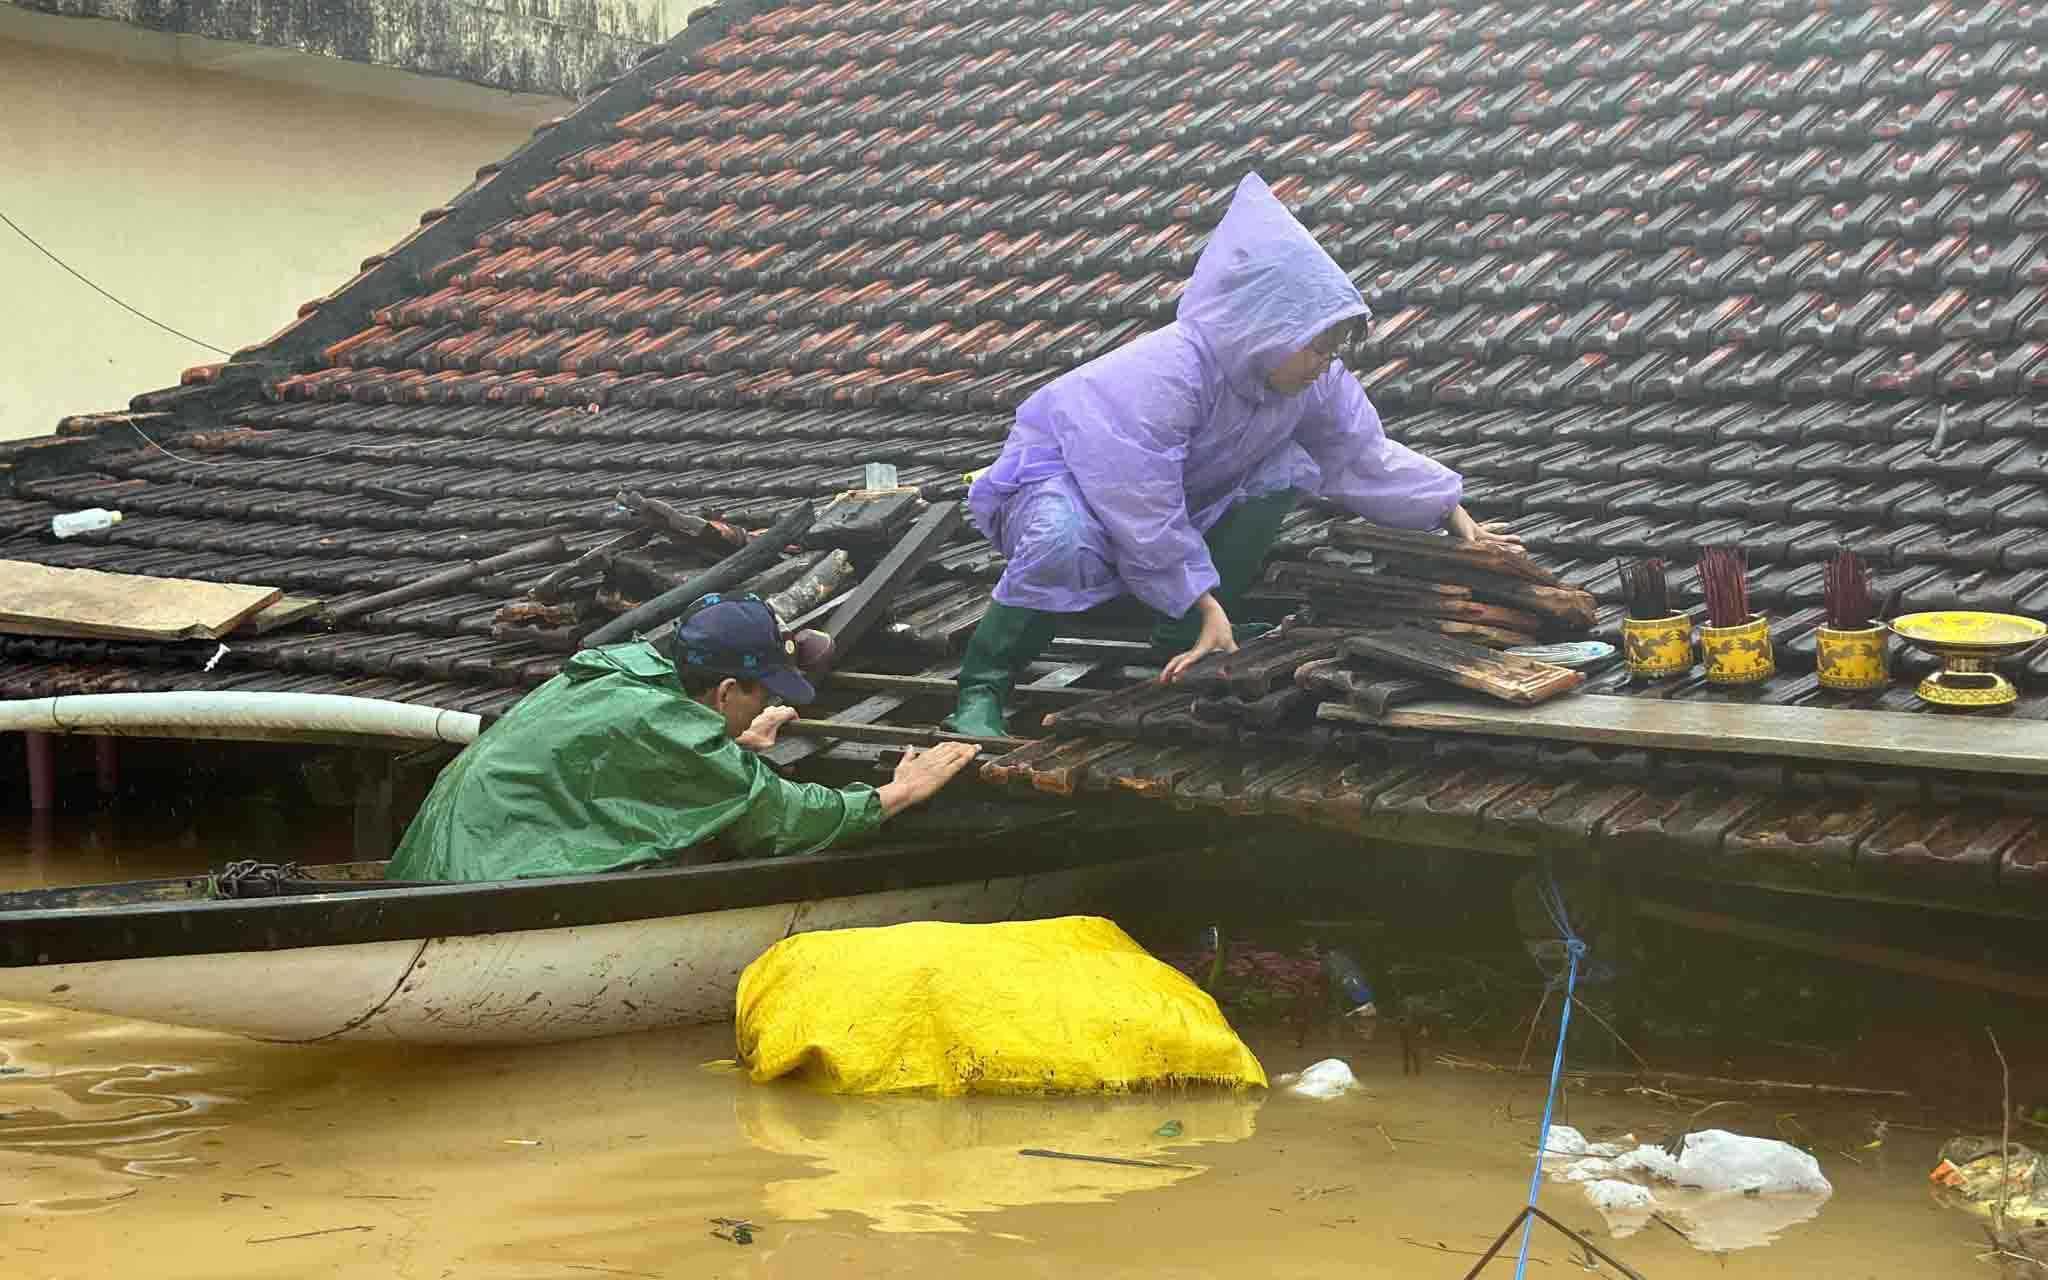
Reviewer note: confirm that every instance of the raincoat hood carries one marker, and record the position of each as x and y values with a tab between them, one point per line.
1262	290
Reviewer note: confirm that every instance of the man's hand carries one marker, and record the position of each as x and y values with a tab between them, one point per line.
760	735
1492	535
920	774
1216	637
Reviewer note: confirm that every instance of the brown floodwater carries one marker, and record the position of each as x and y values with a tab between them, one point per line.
134	1149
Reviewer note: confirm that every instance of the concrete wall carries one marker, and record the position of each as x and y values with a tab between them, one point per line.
557	47
215	202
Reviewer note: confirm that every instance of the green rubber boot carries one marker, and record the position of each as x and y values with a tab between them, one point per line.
1237	547
1003	645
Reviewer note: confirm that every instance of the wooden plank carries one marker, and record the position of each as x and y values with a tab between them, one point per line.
595	560
540	549
36	599
946	687
281	612
900	735
821	582
1499	675
762	553
793	750
1097	645
870	600
1902	739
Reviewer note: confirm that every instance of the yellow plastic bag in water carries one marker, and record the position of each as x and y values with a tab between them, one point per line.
1038	1006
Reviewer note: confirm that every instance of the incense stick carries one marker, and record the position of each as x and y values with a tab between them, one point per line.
1645	588
1723	578
1850	606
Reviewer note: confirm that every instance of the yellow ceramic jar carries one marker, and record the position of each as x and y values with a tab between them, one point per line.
1739	655
1852	659
1657	646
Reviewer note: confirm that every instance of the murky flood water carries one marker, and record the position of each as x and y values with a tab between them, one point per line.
135	1149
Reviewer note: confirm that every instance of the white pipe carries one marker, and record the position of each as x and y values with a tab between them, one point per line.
247	717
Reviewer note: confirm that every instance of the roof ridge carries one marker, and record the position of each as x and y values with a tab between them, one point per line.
444	232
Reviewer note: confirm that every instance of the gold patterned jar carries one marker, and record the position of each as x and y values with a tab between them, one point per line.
1740	654
1853	659
1657	647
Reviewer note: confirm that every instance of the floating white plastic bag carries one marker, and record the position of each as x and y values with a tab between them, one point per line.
1723	1190
1327	1079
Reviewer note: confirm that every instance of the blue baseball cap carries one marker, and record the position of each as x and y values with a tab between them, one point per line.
739	636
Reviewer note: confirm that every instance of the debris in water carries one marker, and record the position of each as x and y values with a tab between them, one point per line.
307	1235
1722	1190
1069	1155
1327	1079
522	1142
737	1230
1171	1129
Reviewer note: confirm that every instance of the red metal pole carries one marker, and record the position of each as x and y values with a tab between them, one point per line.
42	774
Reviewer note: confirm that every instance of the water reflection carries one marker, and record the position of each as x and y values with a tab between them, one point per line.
81	1133
924	1164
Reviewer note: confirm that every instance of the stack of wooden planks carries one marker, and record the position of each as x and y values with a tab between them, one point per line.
1374	577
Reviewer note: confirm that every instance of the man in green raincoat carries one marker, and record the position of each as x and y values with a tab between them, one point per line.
638	752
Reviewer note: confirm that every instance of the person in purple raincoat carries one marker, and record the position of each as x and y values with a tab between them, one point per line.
1163	470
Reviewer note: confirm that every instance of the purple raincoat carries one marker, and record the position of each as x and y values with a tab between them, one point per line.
1113	472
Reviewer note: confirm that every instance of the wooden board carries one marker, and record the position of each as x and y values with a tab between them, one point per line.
892	735
1898	738
282	612
86	603
946	687
870	600
1499	675
1439	547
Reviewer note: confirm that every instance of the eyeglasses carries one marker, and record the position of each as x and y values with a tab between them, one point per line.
1334	339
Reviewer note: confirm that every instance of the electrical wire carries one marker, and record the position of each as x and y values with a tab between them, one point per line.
81	278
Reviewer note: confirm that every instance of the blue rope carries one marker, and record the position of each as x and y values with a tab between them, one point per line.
1575	948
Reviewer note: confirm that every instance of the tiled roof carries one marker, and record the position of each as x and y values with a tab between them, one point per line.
1213	744
1649	272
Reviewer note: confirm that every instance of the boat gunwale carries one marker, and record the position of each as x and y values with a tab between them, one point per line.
209	926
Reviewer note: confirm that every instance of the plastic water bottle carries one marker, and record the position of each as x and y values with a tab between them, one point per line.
1350	979
73	523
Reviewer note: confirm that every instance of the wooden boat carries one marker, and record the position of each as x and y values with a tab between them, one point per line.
335	952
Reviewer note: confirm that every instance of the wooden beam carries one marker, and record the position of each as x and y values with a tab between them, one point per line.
870	600
1899	738
791	750
946	687
898	735
1098	645
550	548
760	554
1894	959
1052	684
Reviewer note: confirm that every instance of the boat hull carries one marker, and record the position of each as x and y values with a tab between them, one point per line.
523	985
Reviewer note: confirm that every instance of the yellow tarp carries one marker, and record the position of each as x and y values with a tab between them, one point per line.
1040	1006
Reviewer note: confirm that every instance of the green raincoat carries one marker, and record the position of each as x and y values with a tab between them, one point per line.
610	765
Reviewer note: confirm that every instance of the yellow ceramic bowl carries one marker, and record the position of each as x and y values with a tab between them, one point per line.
1965	632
